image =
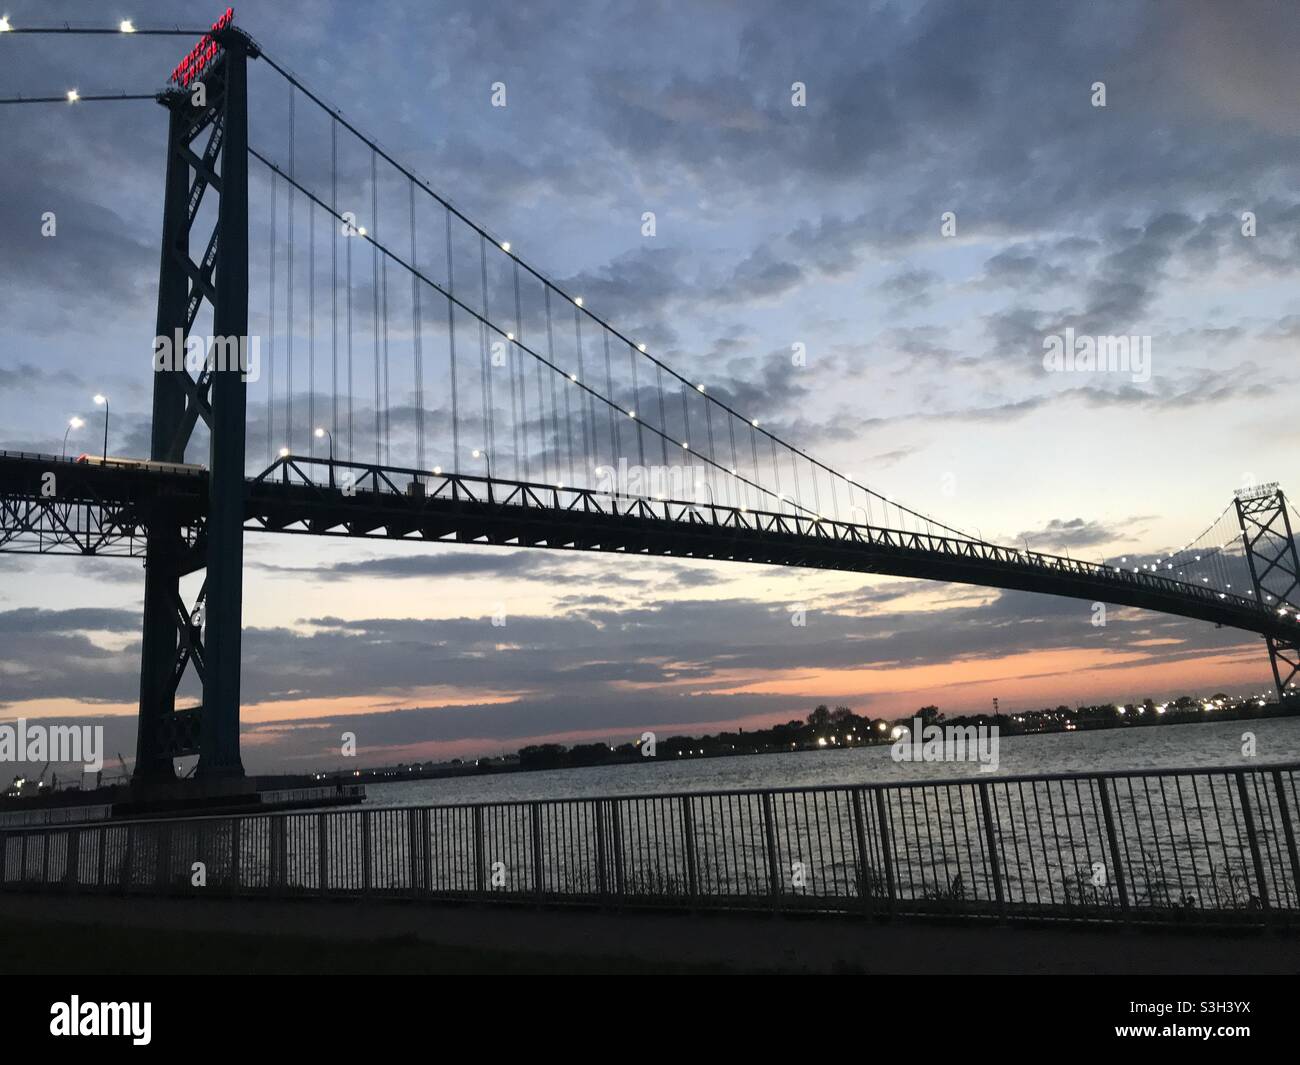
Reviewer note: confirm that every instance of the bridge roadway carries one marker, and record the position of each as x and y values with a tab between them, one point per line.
105	510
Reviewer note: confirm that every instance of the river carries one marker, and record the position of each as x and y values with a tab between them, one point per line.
1214	744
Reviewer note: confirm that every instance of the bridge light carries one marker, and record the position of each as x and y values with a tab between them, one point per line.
631	414
284	452
361	231
125	26
640	347
754	422
573	377
75	423
685	446
577	301
437	471
73	96
319	434
4	25
699	388
510	336
505	245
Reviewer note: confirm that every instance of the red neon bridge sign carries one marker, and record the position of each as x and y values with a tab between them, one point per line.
201	55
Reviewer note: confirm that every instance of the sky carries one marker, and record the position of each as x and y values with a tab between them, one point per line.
946	196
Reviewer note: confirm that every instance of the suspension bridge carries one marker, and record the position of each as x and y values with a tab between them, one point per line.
403	373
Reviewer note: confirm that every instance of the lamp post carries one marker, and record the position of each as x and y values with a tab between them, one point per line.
480	453
73	423
101	399
320	431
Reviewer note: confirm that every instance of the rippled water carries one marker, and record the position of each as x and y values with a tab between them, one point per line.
1158	747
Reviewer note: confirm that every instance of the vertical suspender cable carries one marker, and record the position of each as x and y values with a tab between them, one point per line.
311	328
288	331
518	404
270	340
485	369
334	279
451	348
417	328
374	300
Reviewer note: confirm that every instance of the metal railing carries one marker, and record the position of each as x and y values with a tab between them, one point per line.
368	479
1213	845
54	815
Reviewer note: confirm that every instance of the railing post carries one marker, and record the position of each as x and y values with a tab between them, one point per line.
886	849
1288	830
273	858
616	845
128	856
602	876
688	838
101	835
480	865
162	859
365	851
426	850
1249	817
1112	839
235	823
860	841
282	852
414	864
535	816
995	866
72	873
322	855
773	868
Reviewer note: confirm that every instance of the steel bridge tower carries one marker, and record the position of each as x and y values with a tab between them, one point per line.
207	155
1274	570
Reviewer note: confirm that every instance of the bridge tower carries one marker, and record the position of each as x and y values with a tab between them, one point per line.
1274	570
207	155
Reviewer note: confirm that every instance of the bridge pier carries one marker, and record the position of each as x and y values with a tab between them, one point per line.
1274	571
206	637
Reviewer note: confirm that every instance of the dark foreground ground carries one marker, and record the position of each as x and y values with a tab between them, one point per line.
92	936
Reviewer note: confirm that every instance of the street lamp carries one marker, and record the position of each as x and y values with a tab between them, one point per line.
73	423
329	436
102	400
479	453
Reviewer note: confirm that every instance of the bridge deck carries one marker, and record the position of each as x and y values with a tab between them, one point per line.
96	509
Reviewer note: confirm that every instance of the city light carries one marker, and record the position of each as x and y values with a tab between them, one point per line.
73	96
125	26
